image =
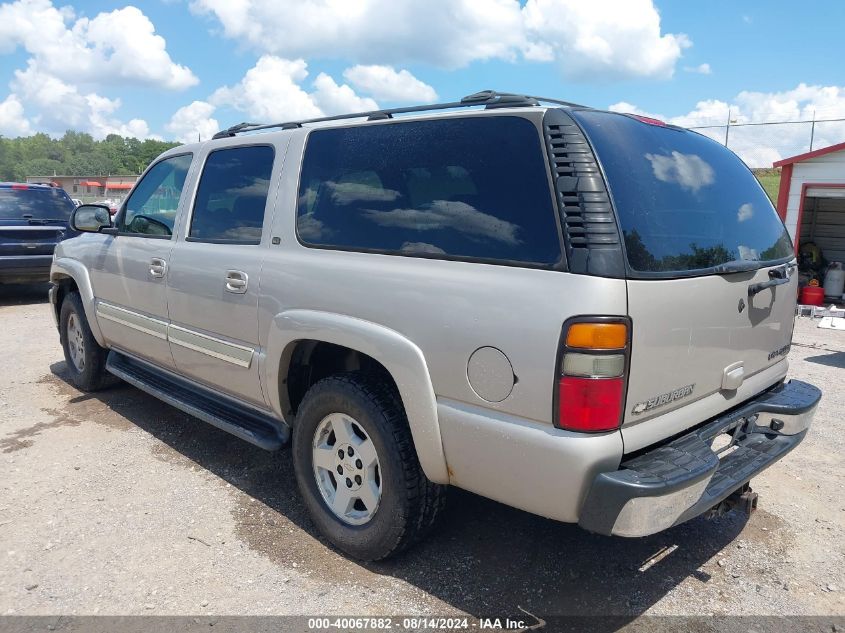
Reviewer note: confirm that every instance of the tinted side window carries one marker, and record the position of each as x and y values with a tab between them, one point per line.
232	195
151	209
473	188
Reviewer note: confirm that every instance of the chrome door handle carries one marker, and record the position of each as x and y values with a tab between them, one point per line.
236	281
157	267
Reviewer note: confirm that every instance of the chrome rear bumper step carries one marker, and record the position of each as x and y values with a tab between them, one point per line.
686	477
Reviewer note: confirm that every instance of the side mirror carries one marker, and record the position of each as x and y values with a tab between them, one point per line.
91	218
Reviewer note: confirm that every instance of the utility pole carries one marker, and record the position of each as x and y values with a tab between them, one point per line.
728	127
812	131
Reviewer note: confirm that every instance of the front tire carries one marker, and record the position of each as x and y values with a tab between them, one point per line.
85	359
357	468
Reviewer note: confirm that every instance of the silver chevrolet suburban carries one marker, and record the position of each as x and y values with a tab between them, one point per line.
579	313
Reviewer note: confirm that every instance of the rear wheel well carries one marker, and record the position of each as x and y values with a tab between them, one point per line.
311	361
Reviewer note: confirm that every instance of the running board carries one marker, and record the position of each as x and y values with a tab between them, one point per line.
203	403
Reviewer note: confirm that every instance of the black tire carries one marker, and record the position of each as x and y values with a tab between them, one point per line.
93	375
409	501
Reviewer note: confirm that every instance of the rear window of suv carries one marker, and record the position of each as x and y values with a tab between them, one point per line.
464	188
18	203
684	202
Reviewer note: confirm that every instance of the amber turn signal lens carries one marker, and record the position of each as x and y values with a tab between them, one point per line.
597	335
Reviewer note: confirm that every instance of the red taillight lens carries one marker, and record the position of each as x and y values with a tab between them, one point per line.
590	404
593	373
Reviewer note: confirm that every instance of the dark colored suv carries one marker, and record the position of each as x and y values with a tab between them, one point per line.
33	219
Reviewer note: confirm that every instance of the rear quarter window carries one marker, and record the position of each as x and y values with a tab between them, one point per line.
464	188
684	202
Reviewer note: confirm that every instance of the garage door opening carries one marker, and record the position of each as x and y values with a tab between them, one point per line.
820	238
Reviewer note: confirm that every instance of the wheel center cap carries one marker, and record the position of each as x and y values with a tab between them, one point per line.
348	468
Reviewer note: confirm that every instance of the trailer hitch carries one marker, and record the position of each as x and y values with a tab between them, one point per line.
743	499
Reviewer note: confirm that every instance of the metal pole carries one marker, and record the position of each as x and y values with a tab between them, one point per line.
812	130
728	127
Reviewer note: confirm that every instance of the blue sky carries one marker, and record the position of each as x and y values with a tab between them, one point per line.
102	67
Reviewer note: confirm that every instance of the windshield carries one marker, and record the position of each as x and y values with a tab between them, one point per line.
684	202
36	204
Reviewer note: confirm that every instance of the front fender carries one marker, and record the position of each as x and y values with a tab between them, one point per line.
65	267
401	357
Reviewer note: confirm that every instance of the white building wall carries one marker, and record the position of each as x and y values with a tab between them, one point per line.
828	169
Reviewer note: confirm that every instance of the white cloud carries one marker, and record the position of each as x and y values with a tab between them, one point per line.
61	106
452	214
119	46
193	121
588	40
271	91
746	212
603	38
13	123
687	170
334	99
761	145
384	82
71	58
701	69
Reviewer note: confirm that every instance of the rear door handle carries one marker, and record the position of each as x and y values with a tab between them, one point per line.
157	267
236	281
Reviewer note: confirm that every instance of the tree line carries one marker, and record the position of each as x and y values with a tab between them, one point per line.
75	154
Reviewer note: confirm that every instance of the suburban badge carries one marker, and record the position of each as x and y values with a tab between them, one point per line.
663	399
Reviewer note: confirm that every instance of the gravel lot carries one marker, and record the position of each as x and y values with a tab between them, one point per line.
114	503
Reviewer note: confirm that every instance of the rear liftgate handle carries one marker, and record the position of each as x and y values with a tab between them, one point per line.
777	277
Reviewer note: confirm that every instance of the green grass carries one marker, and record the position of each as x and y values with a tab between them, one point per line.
770	179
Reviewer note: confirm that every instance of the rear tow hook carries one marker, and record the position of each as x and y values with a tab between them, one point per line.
743	499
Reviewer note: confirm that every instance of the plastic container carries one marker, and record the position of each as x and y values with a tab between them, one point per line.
834	281
811	296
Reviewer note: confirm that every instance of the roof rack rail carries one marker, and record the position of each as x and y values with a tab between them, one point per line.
489	98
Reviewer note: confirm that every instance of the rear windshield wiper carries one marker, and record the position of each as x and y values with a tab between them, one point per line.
737	266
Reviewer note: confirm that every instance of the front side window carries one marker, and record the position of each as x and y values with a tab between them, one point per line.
462	188
151	209
232	195
685	203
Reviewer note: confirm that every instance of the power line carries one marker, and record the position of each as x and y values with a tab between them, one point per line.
708	127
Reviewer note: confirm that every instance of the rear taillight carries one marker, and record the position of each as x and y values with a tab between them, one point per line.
592	374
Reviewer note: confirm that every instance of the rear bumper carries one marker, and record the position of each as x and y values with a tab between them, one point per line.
25	268
686	477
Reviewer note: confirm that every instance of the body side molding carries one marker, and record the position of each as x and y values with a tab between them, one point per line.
213	346
130	318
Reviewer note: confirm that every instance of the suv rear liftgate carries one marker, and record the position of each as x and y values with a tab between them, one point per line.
704	255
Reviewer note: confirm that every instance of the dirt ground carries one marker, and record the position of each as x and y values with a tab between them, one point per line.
114	503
